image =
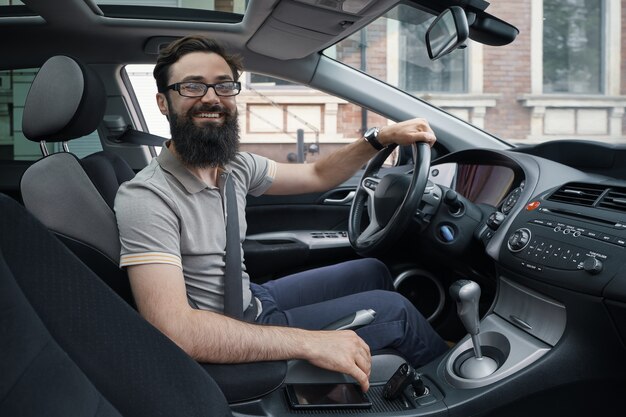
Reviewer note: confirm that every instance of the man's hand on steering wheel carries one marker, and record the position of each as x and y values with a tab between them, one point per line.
391	200
407	133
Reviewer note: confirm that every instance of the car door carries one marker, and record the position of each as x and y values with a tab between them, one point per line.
291	123
287	234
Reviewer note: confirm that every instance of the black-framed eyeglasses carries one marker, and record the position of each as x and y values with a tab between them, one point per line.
198	89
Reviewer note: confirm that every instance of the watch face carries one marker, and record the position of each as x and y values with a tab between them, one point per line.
371	132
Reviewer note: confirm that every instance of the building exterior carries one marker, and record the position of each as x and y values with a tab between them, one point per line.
563	77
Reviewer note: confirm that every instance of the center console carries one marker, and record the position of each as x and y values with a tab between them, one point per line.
580	249
523	326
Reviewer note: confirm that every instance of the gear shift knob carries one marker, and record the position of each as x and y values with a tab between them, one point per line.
466	293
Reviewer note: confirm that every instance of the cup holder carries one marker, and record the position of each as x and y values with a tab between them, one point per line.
423	290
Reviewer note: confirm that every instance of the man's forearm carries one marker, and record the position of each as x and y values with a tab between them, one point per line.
340	165
210	337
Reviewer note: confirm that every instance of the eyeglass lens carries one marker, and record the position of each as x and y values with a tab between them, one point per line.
193	89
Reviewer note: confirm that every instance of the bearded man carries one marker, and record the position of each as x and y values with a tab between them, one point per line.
172	224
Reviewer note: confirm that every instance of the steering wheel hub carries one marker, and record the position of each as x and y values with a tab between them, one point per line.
390	201
389	195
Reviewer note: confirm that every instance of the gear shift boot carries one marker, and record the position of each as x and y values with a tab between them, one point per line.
474	368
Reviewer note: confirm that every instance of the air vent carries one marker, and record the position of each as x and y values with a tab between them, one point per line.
614	199
578	193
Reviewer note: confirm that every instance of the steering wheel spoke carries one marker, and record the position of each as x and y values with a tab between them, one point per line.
369	185
371	231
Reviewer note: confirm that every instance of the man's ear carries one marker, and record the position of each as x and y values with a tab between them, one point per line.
162	103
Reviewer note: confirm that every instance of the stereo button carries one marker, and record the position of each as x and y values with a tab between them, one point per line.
605	238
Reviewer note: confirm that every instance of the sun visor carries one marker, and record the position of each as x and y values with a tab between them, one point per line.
314	18
313	27
270	40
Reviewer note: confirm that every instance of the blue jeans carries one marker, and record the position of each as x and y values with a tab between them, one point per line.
313	299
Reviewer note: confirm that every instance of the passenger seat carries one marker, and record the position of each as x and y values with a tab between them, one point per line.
74	197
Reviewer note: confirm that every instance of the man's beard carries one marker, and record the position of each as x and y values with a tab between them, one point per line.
207	146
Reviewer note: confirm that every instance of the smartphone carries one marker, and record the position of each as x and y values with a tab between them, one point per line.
334	395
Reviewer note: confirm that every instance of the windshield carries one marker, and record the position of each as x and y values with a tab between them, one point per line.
557	80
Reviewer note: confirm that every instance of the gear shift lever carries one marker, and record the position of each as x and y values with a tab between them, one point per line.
466	293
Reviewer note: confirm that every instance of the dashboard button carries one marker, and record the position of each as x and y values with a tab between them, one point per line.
532	205
605	238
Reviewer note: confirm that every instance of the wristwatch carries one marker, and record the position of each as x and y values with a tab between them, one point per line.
371	137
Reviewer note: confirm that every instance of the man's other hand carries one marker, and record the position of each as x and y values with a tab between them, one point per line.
341	351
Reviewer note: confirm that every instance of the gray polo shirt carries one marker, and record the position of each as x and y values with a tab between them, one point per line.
167	215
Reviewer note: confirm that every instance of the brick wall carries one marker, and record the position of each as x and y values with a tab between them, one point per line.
349	51
349	120
507	72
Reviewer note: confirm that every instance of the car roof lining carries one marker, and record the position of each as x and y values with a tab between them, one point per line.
276	29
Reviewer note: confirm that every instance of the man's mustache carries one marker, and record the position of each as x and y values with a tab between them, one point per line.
215	108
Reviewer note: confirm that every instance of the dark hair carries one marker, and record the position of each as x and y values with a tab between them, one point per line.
183	46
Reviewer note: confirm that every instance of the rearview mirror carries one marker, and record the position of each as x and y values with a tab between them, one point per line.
447	32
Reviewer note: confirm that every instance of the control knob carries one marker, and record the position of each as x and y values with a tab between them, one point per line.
592	265
495	219
519	239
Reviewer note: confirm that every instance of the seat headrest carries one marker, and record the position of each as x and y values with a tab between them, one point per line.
66	101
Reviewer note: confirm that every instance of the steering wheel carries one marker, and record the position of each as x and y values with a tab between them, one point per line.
392	201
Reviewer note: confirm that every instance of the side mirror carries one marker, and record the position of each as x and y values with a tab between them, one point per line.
447	32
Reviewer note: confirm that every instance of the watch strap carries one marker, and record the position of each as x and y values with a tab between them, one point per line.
371	137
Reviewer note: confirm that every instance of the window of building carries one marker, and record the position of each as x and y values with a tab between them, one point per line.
266	80
573	47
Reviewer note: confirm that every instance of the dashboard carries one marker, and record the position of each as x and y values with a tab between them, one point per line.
479	183
557	225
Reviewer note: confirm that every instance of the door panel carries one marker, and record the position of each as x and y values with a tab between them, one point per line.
287	234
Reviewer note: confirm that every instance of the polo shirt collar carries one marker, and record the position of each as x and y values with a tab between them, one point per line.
171	164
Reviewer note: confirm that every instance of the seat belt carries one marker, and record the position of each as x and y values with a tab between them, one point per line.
233	291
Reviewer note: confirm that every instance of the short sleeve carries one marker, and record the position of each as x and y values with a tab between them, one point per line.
259	172
149	226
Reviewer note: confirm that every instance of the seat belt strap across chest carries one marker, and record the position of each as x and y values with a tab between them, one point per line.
233	291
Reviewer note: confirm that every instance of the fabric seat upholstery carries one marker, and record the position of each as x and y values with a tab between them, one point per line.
131	364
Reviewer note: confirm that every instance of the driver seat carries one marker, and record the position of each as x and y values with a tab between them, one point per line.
74	197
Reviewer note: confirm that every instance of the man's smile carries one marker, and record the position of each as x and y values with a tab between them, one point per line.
209	116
